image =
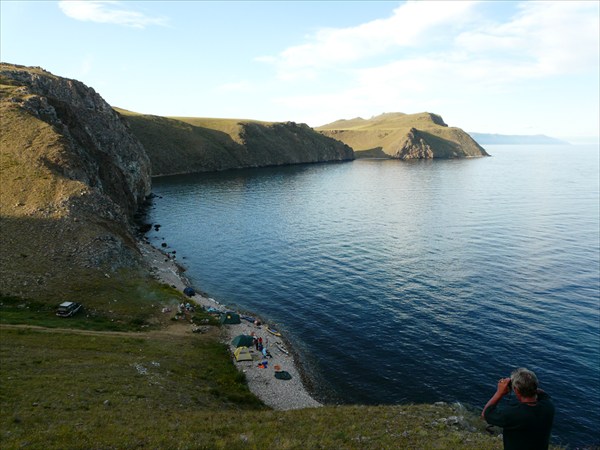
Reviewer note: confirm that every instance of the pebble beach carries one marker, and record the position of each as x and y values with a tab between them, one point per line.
275	393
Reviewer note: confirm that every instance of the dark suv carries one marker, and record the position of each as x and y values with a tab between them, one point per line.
67	309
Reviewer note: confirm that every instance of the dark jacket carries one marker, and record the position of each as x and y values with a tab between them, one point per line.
526	426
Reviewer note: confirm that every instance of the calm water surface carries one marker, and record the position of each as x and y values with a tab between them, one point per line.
411	282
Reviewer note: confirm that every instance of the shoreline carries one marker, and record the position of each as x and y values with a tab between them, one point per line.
278	394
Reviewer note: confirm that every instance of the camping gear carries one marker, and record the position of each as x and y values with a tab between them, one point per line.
283	375
243	340
230	318
282	348
189	291
273	331
242	354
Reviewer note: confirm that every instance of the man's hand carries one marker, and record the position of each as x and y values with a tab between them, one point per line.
503	388
501	391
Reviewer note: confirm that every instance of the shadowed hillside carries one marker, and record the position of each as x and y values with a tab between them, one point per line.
403	136
72	178
185	145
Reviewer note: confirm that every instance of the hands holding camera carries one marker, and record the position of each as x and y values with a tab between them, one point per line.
504	386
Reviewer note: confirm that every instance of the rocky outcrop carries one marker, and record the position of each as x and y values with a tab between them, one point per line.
404	136
414	147
187	145
73	177
103	152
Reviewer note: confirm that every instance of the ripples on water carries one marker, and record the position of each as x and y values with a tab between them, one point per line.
411	282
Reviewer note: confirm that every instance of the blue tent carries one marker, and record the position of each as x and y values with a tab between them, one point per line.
189	291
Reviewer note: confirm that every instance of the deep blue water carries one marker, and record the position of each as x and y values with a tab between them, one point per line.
411	281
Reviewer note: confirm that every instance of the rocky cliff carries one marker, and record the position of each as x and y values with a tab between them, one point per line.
404	136
72	178
184	145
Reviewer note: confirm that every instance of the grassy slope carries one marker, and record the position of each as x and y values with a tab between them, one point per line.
167	390
191	144
177	145
383	134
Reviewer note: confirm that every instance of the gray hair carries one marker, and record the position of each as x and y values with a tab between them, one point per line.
525	381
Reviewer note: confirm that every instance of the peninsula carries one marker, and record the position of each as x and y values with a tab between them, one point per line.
404	136
177	145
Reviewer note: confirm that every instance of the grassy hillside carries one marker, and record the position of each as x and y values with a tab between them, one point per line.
188	144
169	389
403	136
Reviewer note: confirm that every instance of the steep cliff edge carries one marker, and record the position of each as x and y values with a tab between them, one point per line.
72	178
186	144
403	136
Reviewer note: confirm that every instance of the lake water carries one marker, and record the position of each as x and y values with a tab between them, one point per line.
414	281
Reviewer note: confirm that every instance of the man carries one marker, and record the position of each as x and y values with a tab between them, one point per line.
526	420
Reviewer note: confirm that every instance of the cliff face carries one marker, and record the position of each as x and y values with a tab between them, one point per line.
404	136
72	178
103	153
290	143
185	145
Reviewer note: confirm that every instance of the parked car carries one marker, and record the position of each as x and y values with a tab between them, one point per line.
67	309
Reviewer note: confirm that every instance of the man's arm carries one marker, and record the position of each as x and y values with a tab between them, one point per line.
501	391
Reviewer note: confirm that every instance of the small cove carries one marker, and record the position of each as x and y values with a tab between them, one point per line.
410	281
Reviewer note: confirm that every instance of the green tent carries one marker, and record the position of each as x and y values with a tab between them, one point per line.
230	317
243	340
283	375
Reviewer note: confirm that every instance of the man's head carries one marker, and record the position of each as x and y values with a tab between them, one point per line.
524	381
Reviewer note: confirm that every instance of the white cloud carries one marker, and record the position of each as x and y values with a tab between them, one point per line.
547	37
479	59
543	38
113	12
411	24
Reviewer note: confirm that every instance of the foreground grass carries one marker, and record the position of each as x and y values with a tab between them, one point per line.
166	389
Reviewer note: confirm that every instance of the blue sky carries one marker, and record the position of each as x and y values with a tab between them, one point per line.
498	67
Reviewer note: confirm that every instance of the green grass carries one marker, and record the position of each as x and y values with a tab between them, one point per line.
67	390
120	303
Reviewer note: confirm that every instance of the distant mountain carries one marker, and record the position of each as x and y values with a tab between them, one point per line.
516	139
403	136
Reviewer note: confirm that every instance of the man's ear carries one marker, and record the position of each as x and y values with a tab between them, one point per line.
517	393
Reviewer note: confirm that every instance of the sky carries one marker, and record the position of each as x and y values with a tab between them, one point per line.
491	67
